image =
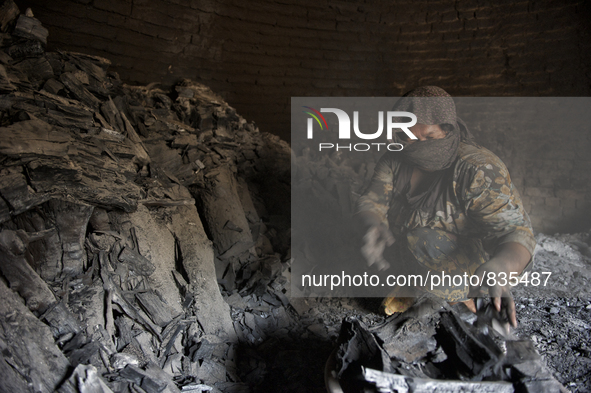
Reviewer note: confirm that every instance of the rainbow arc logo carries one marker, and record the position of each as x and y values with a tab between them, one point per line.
316	117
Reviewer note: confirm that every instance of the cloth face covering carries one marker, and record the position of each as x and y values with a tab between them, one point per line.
434	154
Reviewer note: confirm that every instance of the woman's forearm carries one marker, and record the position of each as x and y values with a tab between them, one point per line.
513	257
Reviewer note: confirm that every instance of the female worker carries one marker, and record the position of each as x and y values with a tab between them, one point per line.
445	204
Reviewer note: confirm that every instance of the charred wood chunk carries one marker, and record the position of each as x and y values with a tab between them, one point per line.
15	190
158	311
87	62
184	141
30	361
134	313
49	175
26	48
212	372
520	351
31	28
148	380
4	211
386	382
71	221
8	13
90	68
44	252
61	320
124	328
80	352
99	220
409	337
112	115
77	89
20	275
53	86
541	386
413	341
6	85
527	365
38	70
85	378
34	137
357	347
164	157
137	262
471	353
220	203
62	111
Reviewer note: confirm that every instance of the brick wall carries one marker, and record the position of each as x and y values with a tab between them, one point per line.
259	53
552	171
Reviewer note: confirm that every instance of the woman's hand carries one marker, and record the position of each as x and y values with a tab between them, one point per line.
509	258
376	239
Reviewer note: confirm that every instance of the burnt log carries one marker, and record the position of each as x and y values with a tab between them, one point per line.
138	263
133	312
26	48
151	237
112	115
6	85
220	203
152	380
195	254
84	379
15	189
52	86
77	89
470	351
20	275
38	70
392	383
29	360
71	220
8	13
61	320
157	310
30	28
34	137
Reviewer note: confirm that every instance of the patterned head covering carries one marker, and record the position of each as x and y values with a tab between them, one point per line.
432	105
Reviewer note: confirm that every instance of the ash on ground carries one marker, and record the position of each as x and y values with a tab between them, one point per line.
557	316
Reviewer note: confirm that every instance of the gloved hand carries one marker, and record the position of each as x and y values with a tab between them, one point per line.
509	259
376	239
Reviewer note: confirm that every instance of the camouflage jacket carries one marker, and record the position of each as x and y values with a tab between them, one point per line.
473	199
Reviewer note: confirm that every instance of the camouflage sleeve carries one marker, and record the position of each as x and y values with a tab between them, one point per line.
378	194
495	206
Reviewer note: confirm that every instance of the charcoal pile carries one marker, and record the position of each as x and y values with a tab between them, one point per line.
325	189
110	195
335	180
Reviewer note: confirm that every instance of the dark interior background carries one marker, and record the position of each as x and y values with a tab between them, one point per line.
259	53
